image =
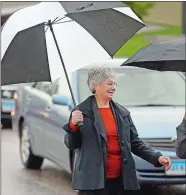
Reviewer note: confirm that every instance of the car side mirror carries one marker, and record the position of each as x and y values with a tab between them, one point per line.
61	100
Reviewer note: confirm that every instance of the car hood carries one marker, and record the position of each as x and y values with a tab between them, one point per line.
157	122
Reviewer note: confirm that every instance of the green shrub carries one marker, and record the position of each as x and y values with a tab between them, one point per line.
140	8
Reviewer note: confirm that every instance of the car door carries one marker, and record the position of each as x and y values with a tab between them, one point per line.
57	116
35	116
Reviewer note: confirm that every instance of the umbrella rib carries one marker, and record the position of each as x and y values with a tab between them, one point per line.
60	19
63	22
46	29
56	21
53	22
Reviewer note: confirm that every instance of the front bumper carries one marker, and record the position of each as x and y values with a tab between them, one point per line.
6	115
148	174
159	178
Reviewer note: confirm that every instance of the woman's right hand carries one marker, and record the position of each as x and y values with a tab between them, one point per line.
77	117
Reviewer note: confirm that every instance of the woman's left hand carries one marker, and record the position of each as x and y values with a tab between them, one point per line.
165	161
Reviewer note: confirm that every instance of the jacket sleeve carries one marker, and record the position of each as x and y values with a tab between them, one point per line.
72	138
181	140
139	148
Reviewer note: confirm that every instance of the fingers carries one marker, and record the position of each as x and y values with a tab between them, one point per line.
169	163
77	112
166	162
80	118
77	116
168	166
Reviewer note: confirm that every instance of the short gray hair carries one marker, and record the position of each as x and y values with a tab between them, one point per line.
98	75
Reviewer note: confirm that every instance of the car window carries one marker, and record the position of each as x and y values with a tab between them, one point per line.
140	87
54	87
32	84
36	85
45	87
61	88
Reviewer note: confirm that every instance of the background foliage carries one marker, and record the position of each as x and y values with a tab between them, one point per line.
140	8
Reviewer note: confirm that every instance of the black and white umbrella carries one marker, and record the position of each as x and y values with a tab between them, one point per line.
80	34
164	56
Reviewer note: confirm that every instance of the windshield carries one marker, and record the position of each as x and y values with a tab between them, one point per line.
142	88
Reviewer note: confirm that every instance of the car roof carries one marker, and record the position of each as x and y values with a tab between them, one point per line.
11	87
114	63
110	62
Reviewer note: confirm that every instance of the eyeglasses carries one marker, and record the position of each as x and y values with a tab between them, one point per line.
112	84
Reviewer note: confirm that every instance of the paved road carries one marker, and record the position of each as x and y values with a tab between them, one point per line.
18	181
50	180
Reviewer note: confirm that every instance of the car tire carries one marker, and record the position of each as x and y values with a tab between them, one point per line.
7	124
28	159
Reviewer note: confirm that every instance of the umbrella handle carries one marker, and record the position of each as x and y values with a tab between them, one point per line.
80	124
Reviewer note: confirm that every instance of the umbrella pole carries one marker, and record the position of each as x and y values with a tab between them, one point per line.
68	81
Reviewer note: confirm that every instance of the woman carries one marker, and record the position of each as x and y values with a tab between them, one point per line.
106	141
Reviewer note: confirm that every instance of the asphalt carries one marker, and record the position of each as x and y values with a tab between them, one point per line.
15	180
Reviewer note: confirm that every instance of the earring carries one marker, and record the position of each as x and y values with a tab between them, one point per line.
93	91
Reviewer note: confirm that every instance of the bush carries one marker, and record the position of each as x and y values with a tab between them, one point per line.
140	8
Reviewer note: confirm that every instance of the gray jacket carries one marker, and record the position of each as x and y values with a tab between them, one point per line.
181	140
91	144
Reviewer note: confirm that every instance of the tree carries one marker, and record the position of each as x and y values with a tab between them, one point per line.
140	8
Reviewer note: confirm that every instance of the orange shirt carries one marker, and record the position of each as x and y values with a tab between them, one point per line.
113	146
114	159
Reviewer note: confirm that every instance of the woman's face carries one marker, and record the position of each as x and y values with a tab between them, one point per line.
106	89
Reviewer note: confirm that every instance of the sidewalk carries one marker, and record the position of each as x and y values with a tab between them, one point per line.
151	28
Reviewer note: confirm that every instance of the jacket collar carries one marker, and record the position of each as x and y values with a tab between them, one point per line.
86	107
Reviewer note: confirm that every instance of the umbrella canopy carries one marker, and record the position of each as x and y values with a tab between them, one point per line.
164	56
88	31
8	8
111	23
16	64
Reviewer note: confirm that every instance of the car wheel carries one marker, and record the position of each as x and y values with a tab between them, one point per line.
7	124
28	159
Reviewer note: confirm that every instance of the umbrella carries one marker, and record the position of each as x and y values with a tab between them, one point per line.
163	56
8	8
90	31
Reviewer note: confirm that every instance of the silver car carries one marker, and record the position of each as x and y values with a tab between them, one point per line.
7	104
156	101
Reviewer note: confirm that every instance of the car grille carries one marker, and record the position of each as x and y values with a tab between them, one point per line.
8	95
160	143
157	174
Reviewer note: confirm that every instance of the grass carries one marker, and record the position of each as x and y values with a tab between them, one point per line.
142	39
